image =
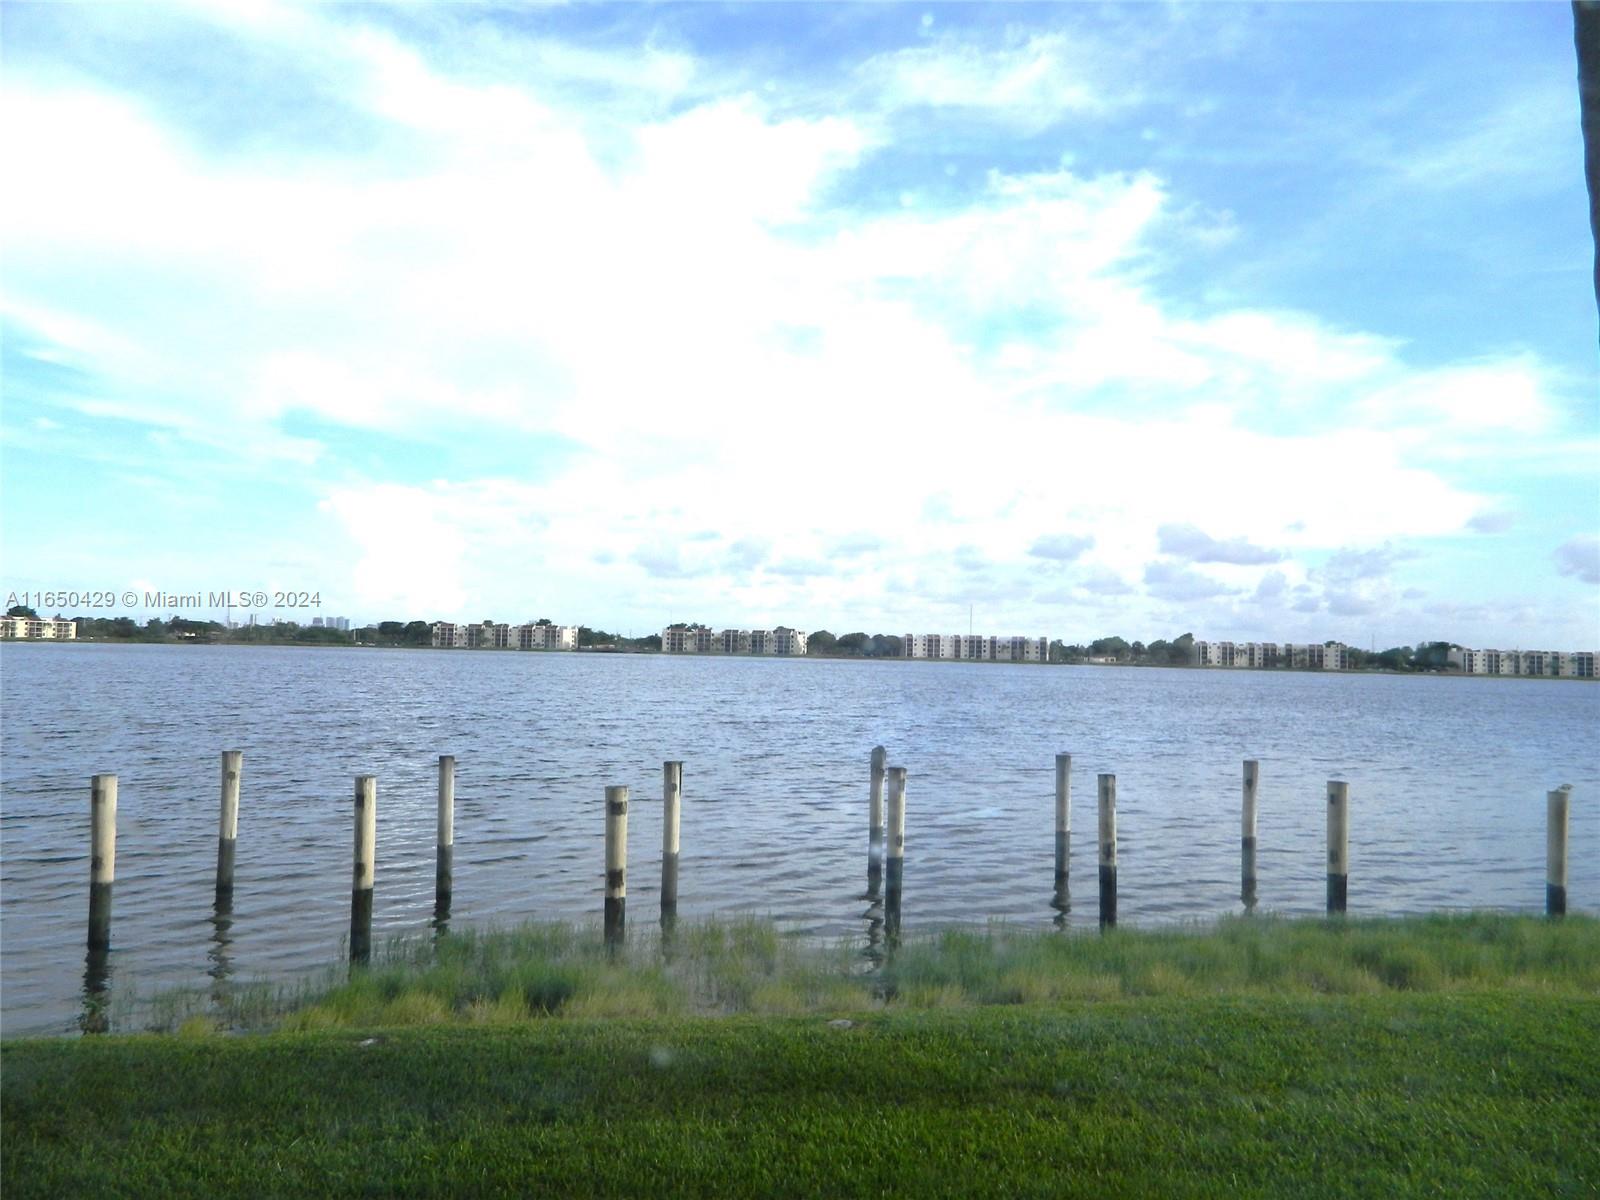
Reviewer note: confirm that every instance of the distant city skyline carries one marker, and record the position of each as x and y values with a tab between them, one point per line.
1128	320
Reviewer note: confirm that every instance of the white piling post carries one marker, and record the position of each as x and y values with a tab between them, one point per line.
1557	806
228	825
616	862
444	871
364	867
1247	833
671	801
1338	845
1108	850
895	873
102	858
875	820
1063	822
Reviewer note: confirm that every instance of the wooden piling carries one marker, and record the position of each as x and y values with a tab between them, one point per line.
671	801
1108	850
1338	845
228	825
1557	805
1247	834
616	862
364	867
1063	822
102	858
896	847
444	870
875	820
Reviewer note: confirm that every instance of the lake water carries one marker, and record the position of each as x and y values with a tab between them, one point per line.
1447	794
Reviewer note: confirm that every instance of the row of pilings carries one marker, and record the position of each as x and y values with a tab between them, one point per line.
886	846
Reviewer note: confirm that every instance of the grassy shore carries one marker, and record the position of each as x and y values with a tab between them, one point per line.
1446	1056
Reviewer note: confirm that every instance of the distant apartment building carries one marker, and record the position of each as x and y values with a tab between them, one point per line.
701	639
1261	655
1565	664
970	647
975	647
689	639
788	641
545	637
447	634
1313	656
493	635
49	629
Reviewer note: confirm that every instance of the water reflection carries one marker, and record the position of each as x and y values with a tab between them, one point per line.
96	1015
874	950
220	960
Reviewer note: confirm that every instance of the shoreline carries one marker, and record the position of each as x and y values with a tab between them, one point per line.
648	653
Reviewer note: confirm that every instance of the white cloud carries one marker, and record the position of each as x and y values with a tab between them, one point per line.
1029	80
1579	558
677	288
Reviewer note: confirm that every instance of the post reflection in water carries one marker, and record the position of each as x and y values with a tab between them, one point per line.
220	962
96	1017
874	950
1061	901
441	916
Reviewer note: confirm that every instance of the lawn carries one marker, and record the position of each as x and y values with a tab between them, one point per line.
1442	1071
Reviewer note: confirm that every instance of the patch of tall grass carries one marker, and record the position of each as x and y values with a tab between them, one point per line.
536	972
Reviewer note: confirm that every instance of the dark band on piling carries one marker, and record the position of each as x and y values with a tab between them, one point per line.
1555	900
1108	896
227	852
615	918
444	875
669	889
1338	890
100	916
360	925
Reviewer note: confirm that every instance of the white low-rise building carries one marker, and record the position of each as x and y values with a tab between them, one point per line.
689	639
47	629
975	647
545	637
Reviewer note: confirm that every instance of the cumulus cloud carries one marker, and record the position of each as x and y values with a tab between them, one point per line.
1187	541
663	562
855	545
1271	585
1060	547
1170	581
1579	558
694	285
1492	522
1351	565
1106	583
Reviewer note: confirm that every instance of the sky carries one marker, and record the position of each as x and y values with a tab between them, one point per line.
1261	322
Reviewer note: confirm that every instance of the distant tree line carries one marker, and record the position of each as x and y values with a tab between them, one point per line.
384	633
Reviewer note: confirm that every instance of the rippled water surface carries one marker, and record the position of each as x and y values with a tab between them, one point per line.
1447	784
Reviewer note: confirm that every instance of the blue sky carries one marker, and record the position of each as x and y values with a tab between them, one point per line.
1261	321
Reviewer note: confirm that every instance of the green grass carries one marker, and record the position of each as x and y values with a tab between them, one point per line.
1448	1094
536	972
1439	1056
